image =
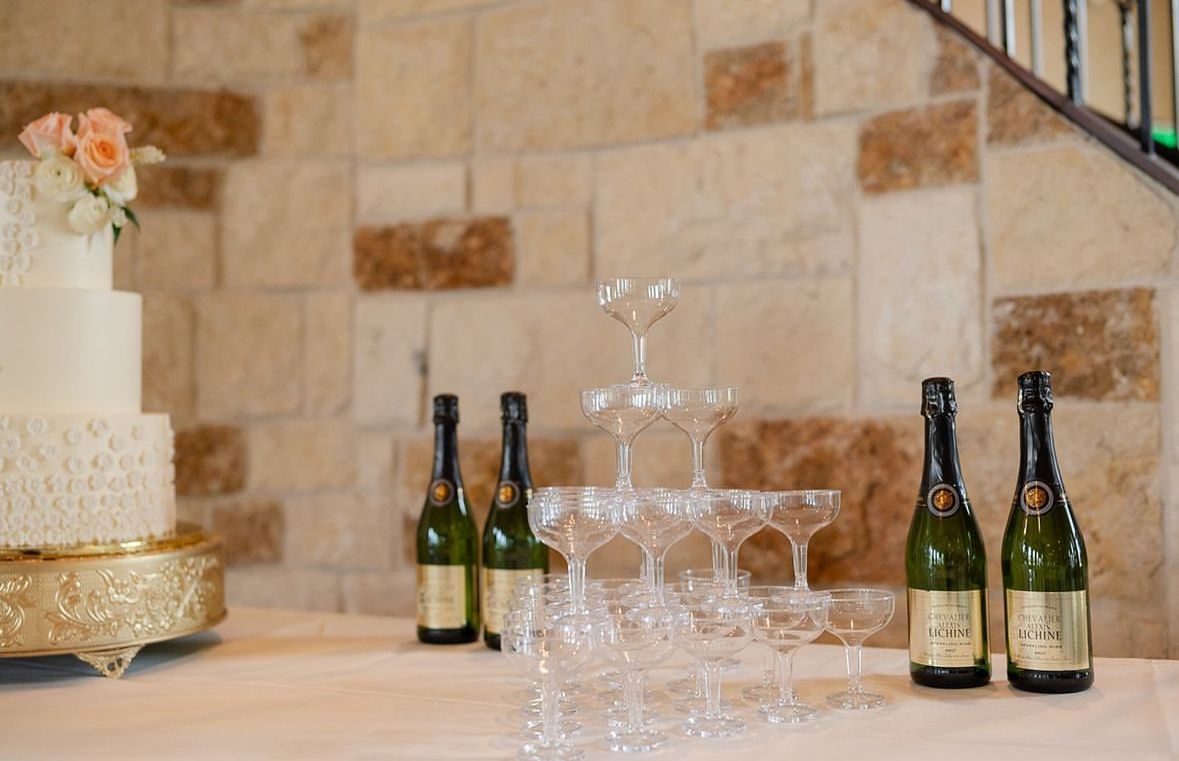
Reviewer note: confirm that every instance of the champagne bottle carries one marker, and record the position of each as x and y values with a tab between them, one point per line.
1045	569
511	552
447	543
945	562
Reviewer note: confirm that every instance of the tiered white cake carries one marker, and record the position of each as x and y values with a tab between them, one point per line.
79	462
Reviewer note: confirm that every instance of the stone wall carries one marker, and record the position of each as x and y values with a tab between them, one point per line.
371	201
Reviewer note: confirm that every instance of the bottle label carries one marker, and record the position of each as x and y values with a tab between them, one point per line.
441	492
1048	631
442	596
946	628
1036	498
942	500
497	587
506	493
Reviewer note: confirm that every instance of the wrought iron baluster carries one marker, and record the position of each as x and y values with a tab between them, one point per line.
1145	125
1072	51
1127	62
1008	9
1175	65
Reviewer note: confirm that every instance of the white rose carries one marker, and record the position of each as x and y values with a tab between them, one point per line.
124	189
90	214
59	178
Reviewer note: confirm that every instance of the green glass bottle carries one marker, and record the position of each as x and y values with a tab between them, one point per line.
447	542
511	552
1045	569
945	561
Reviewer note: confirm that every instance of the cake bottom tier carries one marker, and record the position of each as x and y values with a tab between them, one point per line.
69	480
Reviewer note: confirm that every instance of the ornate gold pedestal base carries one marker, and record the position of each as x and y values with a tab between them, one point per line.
103	604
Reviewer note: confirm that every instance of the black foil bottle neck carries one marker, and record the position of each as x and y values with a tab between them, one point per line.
446	460
514	462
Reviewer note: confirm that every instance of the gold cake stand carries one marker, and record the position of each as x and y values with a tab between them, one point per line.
103	603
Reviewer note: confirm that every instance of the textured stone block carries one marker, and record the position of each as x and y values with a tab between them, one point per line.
340	531
228	45
178	186
1097	344
1015	115
326	43
875	462
308	120
375	461
327	352
181	122
583	72
493	186
764	202
388	360
919	294
549	180
412	89
550	344
248	372
750	86
724	22
374	11
662	456
554	247
395	193
273	586
210	459
59	39
288	224
252	530
870	54
168	357
436	255
1057	214
787	344
302	455
177	250
921	147
956	67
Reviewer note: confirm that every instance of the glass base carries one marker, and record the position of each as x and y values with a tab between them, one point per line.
717	726
855	701
695	706
683	684
558	752
789	713
533	707
618	717
636	742
534	730
730	664
761	693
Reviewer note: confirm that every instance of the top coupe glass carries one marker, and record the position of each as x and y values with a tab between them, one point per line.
638	303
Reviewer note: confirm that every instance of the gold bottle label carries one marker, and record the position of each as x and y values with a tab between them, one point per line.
1048	631
946	628
442	596
496	588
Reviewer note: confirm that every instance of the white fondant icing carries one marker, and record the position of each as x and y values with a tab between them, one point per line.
66	350
37	247
81	479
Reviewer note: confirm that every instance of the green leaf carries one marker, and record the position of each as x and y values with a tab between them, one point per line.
117	231
131	216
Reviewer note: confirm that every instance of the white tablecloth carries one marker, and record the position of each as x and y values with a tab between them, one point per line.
279	684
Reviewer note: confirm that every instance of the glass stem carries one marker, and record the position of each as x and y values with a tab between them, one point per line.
577	582
698	478
623	481
854	680
658	562
731	569
799	549
640	349
712	685
549	708
770	674
647	568
634	700
701	681
718	560
786	675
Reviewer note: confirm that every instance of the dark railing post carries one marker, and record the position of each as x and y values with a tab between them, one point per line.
1072	51
1127	61
1145	132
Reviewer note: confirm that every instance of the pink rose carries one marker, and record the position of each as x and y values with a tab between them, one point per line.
50	132
102	145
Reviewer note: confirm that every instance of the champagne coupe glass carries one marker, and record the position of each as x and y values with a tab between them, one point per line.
767	689
693	684
638	303
624	411
717	626
798	515
655	520
698	412
784	622
637	638
729	517
853	615
574	521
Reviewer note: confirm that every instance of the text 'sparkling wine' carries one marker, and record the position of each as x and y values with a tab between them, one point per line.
945	563
511	552
447	543
1045	569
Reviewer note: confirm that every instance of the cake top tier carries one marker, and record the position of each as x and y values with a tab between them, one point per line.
62	211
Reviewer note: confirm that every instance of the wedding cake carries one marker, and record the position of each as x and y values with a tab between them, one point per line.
80	463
